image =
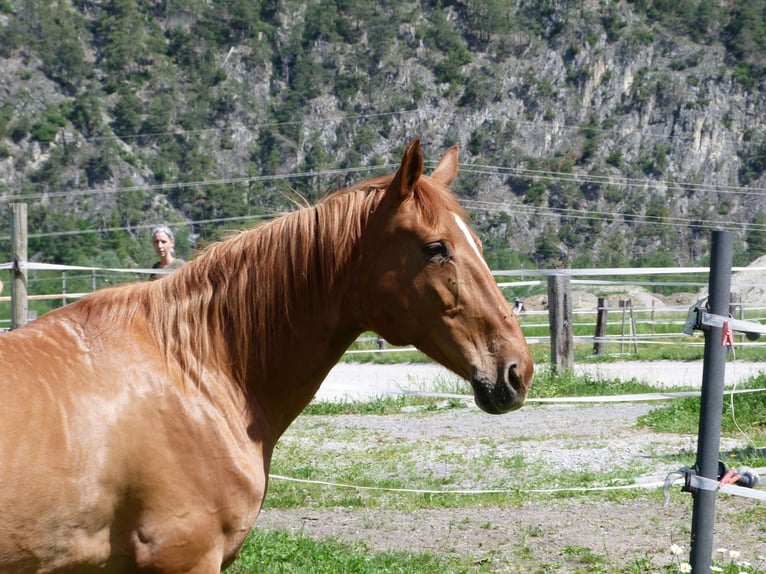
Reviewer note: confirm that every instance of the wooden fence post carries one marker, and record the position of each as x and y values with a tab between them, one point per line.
601	319
19	305
560	320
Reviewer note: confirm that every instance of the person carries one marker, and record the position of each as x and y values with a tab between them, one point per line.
164	246
518	306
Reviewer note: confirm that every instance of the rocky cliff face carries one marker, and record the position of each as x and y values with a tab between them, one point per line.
591	134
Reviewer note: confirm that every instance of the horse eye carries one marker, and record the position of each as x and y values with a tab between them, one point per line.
437	250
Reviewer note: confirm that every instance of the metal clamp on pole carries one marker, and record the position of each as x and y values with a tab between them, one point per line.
693	320
730	480
700	318
682	472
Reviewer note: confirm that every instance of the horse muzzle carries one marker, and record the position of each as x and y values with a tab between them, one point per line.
503	391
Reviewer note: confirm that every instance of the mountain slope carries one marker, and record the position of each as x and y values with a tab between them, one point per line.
591	134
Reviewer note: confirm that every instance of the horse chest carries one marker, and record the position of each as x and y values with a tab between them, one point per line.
164	482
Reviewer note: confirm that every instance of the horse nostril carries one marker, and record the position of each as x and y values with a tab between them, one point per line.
514	379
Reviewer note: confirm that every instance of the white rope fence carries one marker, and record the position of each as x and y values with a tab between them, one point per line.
653	484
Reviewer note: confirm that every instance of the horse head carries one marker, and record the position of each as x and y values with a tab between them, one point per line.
427	284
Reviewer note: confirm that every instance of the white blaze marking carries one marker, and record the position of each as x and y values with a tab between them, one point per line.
464	228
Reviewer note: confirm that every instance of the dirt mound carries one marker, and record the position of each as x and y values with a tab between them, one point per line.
584	298
750	285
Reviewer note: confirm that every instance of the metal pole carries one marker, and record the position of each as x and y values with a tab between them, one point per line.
19	305
711	404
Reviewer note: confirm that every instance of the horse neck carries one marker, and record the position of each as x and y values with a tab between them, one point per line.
301	312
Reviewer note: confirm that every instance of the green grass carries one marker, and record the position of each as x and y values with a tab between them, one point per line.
398	464
280	552
316	442
550	384
682	415
387	468
384	405
547	384
387	358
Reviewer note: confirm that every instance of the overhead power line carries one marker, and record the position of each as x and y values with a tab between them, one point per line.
608	216
475	169
496	206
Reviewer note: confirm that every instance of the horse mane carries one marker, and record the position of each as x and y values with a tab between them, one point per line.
242	293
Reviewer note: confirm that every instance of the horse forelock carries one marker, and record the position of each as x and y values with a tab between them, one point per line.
434	199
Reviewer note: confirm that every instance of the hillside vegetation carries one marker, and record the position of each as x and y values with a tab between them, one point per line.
597	133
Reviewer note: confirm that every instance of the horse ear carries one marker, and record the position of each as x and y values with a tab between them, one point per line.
446	170
409	171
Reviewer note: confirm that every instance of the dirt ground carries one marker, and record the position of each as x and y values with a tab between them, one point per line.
549	533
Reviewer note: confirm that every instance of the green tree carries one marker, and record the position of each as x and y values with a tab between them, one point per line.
85	113
707	20
321	23
121	32
746	36
127	114
590	132
62	53
547	250
46	129
158	115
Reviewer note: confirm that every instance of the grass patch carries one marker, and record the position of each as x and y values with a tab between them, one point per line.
550	384
387	358
682	415
685	349
338	444
677	416
280	552
268	551
386	405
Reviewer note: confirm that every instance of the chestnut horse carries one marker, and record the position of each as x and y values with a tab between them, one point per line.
137	424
